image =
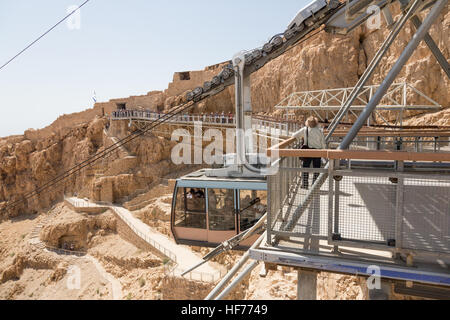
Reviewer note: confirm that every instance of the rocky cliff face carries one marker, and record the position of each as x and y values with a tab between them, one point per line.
27	163
322	62
333	61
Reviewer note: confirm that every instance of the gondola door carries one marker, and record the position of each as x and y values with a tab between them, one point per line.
190	218
222	224
252	206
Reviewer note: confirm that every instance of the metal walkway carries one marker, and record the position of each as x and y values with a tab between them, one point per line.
366	206
384	209
325	104
266	126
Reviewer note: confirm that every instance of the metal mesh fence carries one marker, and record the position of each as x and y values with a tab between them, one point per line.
291	191
365	208
409	211
426	215
411	144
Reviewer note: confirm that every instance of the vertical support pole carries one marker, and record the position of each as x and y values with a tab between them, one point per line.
331	195
399	207
270	182
282	185
249	143
238	64
289	180
307	285
337	188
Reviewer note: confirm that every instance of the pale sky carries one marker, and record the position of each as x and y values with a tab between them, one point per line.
123	48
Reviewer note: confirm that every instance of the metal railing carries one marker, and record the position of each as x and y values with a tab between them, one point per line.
279	127
387	208
171	268
164	251
182	118
176	272
267	124
65	252
414	143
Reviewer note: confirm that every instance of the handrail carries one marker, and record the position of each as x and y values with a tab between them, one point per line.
183	118
207	118
396	133
273	122
66	252
202	276
280	146
166	252
364	155
171	269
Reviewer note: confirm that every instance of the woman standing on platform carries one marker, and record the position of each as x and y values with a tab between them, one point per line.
313	138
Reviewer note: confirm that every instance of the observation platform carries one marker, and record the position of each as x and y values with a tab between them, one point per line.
386	210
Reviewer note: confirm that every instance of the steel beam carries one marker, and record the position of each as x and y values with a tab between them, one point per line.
433	47
404	57
238	279
372	66
216	291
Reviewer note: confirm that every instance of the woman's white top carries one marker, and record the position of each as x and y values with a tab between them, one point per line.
316	138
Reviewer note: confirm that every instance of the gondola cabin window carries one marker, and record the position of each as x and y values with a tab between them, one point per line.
190	211
253	205
221	210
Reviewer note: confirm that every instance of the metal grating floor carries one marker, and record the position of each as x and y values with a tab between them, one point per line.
367	212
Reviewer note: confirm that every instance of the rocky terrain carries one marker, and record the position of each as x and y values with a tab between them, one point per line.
31	272
129	175
110	258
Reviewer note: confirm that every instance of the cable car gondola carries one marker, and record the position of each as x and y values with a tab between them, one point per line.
211	206
207	211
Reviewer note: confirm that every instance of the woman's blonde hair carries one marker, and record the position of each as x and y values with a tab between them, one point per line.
312	122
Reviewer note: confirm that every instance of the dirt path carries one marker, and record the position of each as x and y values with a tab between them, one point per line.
185	258
116	287
182	255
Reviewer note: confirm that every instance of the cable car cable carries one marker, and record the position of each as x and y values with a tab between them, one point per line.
43	35
77	168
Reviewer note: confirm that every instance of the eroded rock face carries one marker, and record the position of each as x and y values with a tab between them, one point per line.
39	261
27	164
77	229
